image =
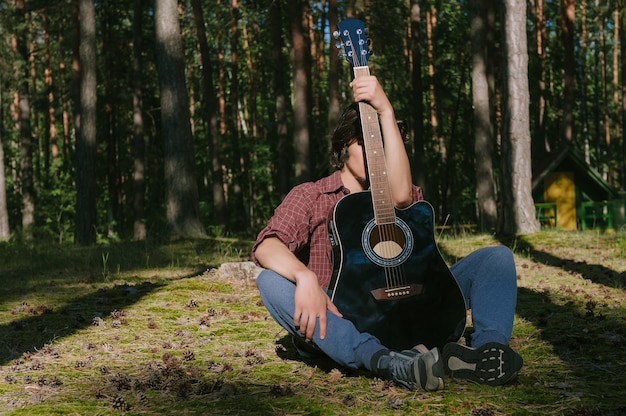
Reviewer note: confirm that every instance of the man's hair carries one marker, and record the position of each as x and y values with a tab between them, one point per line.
348	130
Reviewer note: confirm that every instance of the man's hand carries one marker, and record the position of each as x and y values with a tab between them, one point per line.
368	89
311	302
310	299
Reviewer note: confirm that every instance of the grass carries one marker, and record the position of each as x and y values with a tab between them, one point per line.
141	329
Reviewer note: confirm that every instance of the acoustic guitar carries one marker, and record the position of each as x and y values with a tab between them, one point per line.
389	277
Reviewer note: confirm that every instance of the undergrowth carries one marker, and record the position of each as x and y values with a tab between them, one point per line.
134	328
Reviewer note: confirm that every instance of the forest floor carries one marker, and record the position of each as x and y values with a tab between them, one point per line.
179	328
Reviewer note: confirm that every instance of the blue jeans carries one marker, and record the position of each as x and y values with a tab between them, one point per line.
487	278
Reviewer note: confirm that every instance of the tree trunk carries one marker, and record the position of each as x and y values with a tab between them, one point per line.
419	151
569	68
518	204
110	119
450	190
622	43
281	99
584	112
76	82
65	99
300	49
540	145
239	156
50	145
437	139
85	232
210	108
334	110
4	213
613	150
181	189
606	123
251	123
483	121
221	73
251	110
139	142
27	188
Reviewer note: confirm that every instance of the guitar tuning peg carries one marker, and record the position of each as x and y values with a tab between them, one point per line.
342	54
338	45
336	34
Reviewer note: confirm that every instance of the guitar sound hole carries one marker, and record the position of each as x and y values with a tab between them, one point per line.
387	241
387	245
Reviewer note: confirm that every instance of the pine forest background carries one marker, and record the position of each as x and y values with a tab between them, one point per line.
127	119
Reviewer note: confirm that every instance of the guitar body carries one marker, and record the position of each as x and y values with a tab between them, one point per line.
390	279
404	296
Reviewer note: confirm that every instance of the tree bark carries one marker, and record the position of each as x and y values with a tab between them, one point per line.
139	142
603	99
569	68
4	213
281	99
622	43
110	122
584	112
181	189
50	145
419	151
27	188
614	149
334	110
240	157
518	204
300	49
85	232
483	121
437	139
210	108
540	145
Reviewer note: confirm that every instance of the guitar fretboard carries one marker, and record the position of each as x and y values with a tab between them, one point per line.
384	212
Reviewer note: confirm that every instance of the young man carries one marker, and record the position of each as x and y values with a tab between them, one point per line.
295	250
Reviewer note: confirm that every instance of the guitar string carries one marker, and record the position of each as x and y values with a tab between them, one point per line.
394	275
388	271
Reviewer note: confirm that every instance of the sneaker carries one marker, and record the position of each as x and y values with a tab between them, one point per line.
492	364
417	368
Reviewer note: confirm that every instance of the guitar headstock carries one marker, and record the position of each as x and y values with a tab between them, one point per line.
354	42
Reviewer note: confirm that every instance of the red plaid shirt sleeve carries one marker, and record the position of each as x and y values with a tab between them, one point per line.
301	223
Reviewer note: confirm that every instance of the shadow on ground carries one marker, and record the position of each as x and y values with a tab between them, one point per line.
42	324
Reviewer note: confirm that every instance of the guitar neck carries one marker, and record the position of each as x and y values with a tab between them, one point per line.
382	200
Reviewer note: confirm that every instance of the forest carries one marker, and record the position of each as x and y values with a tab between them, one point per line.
123	120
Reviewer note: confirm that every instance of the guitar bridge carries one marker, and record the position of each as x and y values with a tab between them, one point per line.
395	293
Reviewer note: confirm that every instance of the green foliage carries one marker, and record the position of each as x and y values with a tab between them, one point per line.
55	214
245	98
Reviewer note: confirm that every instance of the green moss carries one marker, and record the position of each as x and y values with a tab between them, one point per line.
147	330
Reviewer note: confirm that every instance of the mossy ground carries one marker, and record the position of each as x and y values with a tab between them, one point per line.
159	329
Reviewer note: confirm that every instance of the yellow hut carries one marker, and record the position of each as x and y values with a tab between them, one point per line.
569	195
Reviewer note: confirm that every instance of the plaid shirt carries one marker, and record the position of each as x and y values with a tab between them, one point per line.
301	223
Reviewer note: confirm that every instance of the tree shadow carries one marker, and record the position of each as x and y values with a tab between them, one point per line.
596	273
588	342
286	350
42	324
53	268
580	330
